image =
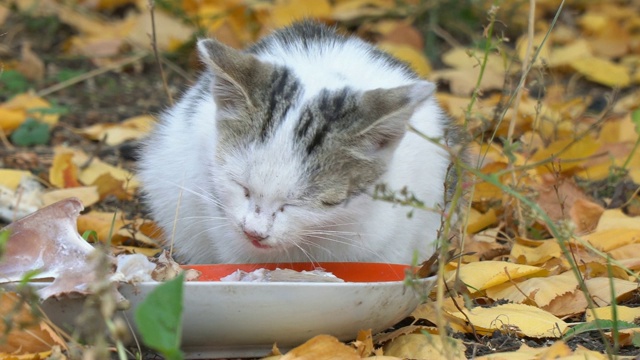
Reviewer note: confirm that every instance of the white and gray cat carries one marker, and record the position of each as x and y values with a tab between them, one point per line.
273	155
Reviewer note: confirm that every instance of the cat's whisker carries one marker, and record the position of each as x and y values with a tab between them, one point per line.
306	253
194	236
204	217
348	243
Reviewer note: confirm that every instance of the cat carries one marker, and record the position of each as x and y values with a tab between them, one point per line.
274	154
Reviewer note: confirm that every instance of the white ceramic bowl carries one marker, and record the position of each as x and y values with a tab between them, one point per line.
234	319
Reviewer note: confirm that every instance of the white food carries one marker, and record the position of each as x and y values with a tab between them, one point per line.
281	275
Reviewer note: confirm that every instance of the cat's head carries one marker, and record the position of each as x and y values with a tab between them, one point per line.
288	160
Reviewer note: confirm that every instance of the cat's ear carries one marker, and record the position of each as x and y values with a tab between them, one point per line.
236	74
387	111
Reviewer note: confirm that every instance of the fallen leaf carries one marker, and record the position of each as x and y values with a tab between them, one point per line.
606	240
321	347
485	274
585	215
423	346
602	71
115	134
414	58
535	291
285	12
88	195
600	289
103	223
30	64
616	219
10	178
477	221
63	173
565	55
623	313
27	335
23	106
364	343
523	320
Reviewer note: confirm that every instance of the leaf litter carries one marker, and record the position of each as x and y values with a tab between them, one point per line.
569	148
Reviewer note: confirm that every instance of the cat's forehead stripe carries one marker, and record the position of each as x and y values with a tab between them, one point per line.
283	94
330	112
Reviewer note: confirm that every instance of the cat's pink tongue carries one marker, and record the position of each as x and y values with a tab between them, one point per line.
256	240
260	245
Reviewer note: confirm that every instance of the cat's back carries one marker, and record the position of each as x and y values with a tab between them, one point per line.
324	59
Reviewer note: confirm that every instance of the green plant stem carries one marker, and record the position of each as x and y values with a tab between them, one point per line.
483	66
633	151
614	308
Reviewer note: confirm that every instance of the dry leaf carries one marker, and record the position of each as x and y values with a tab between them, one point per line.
485	274
115	134
602	71
88	195
535	291
523	320
28	335
321	347
22	106
10	178
414	58
422	346
30	64
63	173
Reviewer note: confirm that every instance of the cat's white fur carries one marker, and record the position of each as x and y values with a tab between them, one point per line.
183	187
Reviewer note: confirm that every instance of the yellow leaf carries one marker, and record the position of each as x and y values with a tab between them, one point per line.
96	168
485	274
524	320
88	195
523	43
541	290
322	347
606	240
617	131
11	119
286	12
478	221
594	22
624	313
170	29
31	106
28	335
600	289
567	151
421	346
10	178
602	71
565	55
130	129
63	172
536	255
352	9
416	59
102	223
616	219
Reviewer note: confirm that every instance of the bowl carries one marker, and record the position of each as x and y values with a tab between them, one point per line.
245	319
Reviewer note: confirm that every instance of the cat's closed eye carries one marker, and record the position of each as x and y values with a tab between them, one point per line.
333	203
247	193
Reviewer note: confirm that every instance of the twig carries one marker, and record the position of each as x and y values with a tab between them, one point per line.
154	44
93	73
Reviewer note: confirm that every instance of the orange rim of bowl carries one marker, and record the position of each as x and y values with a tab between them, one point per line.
349	272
